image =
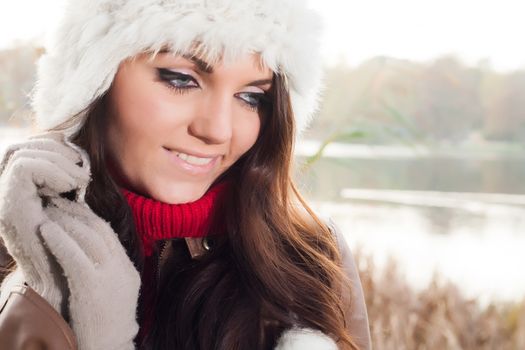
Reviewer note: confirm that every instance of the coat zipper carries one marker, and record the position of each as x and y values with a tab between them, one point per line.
195	248
159	261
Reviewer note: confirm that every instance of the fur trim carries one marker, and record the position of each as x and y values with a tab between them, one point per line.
94	36
305	338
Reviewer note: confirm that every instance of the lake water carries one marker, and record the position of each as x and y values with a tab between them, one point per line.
456	213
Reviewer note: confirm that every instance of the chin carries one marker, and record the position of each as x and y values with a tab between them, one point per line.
179	194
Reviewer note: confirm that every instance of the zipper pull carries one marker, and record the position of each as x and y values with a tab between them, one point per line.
199	246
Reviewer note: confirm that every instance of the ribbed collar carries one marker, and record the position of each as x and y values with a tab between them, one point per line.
156	220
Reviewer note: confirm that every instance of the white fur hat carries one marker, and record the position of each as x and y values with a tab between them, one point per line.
95	36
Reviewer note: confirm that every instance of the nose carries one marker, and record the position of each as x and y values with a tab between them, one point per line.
213	122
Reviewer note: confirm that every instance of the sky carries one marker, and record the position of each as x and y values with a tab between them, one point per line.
418	30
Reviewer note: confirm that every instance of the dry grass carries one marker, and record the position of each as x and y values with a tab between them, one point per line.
438	317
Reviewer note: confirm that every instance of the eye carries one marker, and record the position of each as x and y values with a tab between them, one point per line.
175	80
254	100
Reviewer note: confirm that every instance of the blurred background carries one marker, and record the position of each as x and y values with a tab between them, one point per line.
418	154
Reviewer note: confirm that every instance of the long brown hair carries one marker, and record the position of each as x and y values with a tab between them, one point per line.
278	265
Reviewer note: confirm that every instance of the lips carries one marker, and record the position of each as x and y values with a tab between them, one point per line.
192	159
195	164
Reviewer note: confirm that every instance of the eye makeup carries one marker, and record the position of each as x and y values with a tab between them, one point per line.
177	81
254	100
183	83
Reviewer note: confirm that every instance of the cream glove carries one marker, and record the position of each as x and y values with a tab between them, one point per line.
42	166
103	283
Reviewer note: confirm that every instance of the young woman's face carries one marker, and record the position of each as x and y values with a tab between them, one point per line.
175	124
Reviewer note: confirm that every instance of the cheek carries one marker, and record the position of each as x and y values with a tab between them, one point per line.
145	118
246	132
142	111
137	120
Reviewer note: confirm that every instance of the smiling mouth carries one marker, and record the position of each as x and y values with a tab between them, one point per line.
191	159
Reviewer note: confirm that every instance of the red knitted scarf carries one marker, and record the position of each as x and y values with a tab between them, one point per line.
156	220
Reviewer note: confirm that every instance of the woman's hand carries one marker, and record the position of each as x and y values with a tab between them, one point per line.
31	171
102	281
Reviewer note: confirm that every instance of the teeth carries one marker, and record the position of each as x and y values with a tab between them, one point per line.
194	160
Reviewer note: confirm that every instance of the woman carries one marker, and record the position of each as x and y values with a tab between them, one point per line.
158	212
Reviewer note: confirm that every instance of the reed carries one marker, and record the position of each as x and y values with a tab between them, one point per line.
438	317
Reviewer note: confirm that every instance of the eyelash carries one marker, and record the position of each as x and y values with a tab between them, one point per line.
167	77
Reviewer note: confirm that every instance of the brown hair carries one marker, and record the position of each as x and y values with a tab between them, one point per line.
277	266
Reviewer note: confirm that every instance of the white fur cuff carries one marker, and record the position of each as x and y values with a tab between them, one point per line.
305	339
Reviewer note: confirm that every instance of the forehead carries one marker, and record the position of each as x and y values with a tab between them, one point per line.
208	61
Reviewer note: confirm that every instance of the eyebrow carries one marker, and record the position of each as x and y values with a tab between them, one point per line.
201	64
260	82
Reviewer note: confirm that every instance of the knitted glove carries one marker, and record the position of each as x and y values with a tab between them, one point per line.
305	338
103	283
42	166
